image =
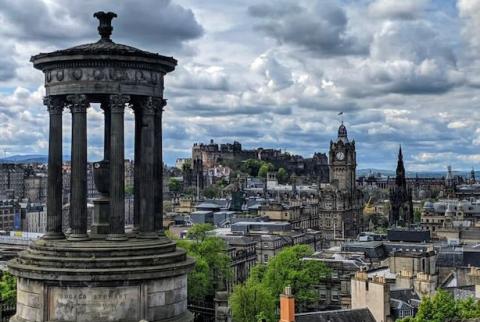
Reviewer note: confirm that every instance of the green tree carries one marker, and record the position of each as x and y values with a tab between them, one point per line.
282	176
212	266
187	165
198	232
251	166
264	169
174	185
287	268
443	307
468	308
8	288
212	191
417	215
251	302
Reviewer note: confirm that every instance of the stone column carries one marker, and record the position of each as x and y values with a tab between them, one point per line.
117	168
136	169
158	165
101	174
78	186
54	201
146	179
106	133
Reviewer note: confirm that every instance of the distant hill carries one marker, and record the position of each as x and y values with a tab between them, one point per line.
29	158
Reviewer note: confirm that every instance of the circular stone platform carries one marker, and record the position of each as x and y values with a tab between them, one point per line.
99	280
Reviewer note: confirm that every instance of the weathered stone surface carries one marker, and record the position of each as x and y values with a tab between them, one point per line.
94	304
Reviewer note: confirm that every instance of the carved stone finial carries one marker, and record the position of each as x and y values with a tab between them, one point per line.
105	28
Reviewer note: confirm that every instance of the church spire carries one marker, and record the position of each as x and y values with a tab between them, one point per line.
400	180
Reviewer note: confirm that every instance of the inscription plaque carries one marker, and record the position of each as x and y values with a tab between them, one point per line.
94	304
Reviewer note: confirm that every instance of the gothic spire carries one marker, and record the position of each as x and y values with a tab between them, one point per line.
400	180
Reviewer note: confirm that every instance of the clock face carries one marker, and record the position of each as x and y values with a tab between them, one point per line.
340	156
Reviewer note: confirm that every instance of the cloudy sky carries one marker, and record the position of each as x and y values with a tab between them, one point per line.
271	74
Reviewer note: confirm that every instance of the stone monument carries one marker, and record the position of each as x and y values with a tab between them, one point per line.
104	274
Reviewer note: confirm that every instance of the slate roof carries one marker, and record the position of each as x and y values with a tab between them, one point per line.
357	315
405	295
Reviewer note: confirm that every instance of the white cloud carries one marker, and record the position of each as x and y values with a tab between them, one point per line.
394	9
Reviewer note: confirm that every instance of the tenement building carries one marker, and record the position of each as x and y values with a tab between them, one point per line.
341	203
104	274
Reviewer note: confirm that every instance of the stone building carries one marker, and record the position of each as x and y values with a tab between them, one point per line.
12	183
452	219
213	154
10	211
341	203
401	212
373	294
36	187
36	219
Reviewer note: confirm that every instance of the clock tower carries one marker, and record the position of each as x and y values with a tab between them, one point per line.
341	203
342	161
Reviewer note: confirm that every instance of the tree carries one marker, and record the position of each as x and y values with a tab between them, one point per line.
287	268
443	307
282	176
468	308
251	302
212	191
251	166
174	185
8	288
417	216
265	168
186	166
198	232
212	267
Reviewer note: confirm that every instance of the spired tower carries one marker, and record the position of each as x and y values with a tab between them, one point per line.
104	274
401	211
343	161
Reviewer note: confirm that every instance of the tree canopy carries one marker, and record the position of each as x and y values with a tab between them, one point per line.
287	268
282	176
264	169
442	307
8	288
174	185
212	266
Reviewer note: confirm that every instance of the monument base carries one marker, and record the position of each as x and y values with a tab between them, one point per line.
97	281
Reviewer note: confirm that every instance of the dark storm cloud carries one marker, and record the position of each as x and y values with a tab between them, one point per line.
320	28
155	24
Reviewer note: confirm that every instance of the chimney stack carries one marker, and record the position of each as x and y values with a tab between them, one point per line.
287	306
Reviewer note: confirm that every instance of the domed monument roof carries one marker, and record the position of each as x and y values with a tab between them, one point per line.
103	49
104	67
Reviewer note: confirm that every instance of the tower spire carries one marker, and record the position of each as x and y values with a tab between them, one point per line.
400	180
